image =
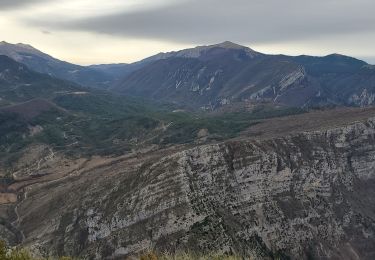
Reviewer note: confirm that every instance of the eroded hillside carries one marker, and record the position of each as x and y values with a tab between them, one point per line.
303	194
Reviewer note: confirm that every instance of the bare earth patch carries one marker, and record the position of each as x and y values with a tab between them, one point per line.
6	198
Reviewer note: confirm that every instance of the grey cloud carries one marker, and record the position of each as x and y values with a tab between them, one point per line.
16	4
250	21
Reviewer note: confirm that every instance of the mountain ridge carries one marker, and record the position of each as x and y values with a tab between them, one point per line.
44	63
196	52
93	174
214	76
257	198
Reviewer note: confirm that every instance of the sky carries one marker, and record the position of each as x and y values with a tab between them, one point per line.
114	31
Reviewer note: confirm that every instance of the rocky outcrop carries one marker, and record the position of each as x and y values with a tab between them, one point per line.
305	196
204	76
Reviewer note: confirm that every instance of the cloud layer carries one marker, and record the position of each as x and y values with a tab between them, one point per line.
100	31
255	21
16	4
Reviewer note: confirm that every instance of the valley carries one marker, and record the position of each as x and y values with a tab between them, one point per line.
217	148
159	192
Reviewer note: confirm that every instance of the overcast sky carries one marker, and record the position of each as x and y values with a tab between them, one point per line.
108	31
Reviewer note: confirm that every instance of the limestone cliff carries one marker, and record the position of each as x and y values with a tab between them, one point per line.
309	195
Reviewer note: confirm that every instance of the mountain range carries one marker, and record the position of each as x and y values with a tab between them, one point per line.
215	149
44	63
84	120
218	75
227	73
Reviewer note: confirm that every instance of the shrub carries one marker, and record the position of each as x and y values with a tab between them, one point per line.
187	256
13	254
7	253
149	256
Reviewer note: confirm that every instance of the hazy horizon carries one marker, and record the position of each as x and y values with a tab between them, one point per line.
369	60
115	31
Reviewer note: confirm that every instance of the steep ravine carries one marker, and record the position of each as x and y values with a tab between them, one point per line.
310	195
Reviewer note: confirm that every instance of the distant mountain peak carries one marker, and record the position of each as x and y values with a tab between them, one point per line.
345	58
19	45
10	48
46	64
199	51
228	45
26	46
224	45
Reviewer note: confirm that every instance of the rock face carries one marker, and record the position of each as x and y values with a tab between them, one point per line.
216	75
305	196
221	74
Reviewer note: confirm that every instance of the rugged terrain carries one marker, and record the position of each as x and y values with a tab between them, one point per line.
39	109
305	194
87	173
219	75
214	76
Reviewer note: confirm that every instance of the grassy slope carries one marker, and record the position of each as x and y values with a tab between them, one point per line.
99	123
